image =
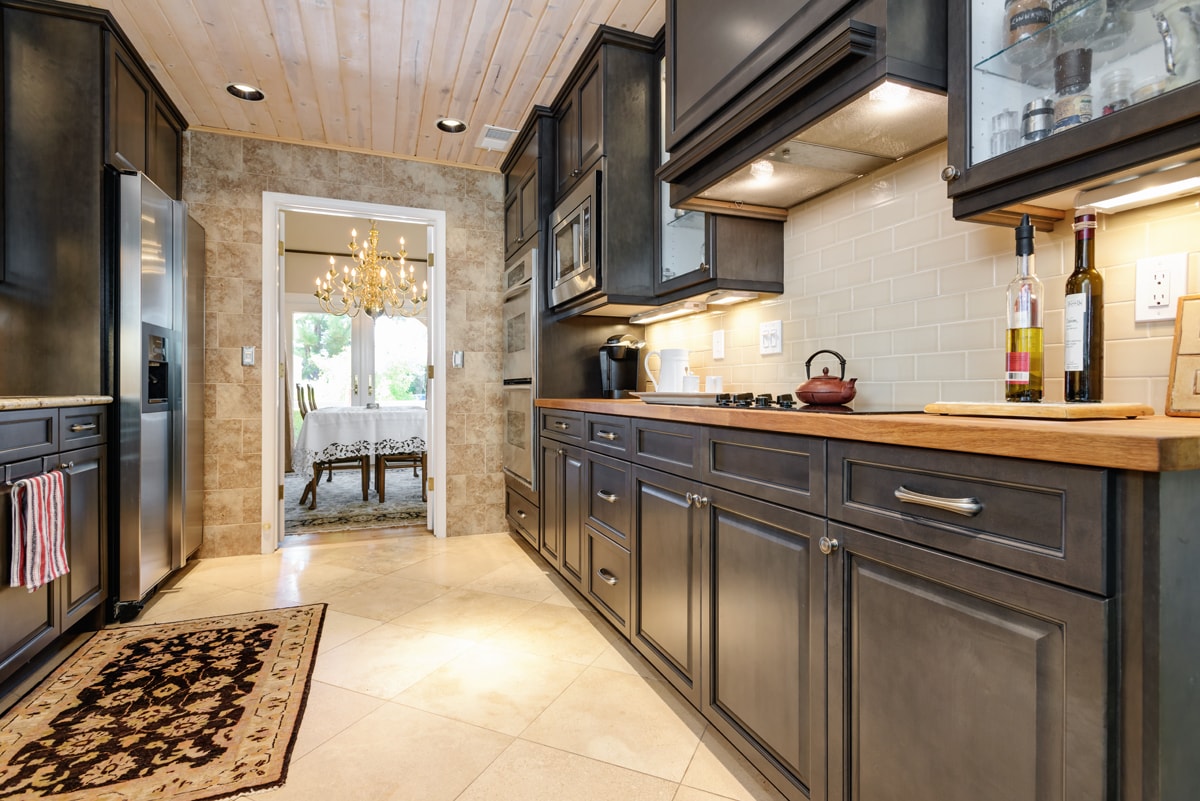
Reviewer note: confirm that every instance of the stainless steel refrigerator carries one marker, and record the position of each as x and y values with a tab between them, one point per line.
159	384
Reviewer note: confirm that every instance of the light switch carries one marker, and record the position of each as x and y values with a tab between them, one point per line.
248	356
457	358
770	337
719	343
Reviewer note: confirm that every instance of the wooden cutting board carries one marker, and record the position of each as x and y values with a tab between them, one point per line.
1044	411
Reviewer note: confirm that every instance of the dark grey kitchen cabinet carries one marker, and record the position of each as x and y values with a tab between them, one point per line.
580	130
144	132
526	196
33	442
720	253
563	507
667	558
987	77
952	679
763	636
522	514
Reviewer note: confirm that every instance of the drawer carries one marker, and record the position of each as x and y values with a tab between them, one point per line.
25	433
673	447
522	513
783	468
561	425
82	426
607	583
608	434
1042	519
610	496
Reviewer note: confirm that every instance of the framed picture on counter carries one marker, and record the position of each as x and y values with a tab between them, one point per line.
1183	388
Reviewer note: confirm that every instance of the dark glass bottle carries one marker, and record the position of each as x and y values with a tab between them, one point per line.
1083	334
1023	337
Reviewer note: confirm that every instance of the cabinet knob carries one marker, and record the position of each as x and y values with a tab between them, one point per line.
704	267
574	173
561	452
827	545
950	173
690	498
701	501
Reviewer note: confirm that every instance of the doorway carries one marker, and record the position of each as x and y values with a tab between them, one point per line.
363	369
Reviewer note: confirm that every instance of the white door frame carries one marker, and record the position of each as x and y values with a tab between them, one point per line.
274	203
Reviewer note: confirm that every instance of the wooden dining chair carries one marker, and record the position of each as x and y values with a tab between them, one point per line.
312	397
360	463
415	460
300	400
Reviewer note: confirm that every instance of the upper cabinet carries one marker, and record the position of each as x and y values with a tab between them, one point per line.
524	184
143	130
1044	103
770	109
580	139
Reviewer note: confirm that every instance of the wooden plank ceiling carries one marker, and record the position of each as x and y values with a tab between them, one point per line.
371	75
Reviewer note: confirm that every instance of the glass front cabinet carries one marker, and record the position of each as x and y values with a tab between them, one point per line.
1050	96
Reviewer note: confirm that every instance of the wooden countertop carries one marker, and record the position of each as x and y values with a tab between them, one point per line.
1152	444
51	401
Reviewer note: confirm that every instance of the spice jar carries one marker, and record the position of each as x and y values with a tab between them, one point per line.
1076	21
1024	20
1072	82
1115	89
1037	119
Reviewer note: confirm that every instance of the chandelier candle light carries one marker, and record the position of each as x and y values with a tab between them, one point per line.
369	286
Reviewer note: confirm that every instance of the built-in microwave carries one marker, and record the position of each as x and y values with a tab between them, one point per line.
575	226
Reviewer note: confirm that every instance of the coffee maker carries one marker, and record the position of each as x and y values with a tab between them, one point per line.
619	359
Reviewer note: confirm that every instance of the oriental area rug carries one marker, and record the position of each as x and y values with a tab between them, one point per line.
200	709
340	505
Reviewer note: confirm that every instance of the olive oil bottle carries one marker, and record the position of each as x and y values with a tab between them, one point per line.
1023	338
1083	318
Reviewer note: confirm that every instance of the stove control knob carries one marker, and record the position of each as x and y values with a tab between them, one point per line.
785	401
762	401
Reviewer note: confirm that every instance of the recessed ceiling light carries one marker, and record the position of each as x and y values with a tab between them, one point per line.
244	91
451	125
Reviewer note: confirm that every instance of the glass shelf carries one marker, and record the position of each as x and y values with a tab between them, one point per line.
691	220
1039	71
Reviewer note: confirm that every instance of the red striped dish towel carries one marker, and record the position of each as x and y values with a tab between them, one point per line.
39	551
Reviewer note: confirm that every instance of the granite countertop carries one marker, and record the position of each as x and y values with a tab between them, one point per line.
51	401
1153	444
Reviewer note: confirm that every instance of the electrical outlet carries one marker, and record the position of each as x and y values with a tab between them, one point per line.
1160	280
770	337
248	356
719	343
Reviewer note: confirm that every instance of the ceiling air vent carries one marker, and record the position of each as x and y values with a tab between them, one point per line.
496	138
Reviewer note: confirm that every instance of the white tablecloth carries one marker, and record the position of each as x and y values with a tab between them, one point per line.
341	431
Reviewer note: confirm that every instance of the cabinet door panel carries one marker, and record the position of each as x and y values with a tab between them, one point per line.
164	158
551	500
129	112
574	499
763	638
567	139
28	620
953	680
84	478
667	553
591	117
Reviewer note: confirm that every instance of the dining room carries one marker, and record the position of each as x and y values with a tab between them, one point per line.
356	433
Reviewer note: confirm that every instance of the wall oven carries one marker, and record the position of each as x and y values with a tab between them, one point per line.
517	368
575	228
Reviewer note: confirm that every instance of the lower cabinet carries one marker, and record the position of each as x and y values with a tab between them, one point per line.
563	508
763	636
31	621
951	679
667	558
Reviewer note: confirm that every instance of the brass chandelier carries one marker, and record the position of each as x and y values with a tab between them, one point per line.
369	285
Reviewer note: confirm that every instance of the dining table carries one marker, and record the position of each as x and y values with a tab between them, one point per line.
344	431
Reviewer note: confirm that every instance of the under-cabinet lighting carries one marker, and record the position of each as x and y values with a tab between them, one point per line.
1170	182
890	93
677	309
728	297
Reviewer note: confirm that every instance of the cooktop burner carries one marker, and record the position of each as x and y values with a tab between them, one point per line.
787	403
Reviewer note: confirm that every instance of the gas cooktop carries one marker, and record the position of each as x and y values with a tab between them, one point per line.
787	403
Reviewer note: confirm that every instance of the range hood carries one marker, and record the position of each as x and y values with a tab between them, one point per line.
866	89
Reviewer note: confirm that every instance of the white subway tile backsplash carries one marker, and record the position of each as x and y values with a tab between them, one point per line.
879	271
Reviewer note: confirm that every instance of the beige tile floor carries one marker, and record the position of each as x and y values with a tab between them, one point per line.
466	669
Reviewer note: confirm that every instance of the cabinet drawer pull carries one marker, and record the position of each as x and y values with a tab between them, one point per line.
560	425
605	495
827	545
968	507
607	577
608	435
83	427
521	513
67	466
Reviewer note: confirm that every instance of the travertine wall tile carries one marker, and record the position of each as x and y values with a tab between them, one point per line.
224	179
915	300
